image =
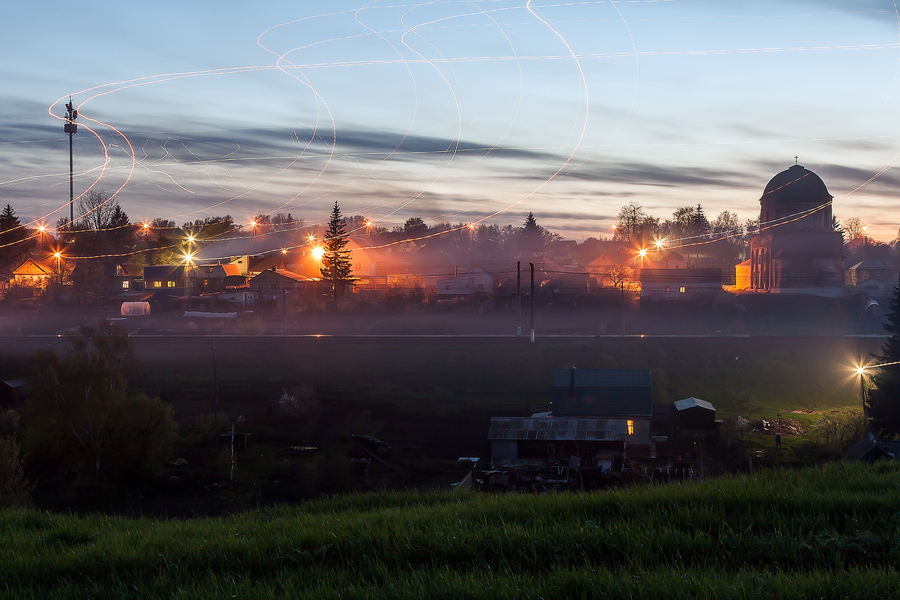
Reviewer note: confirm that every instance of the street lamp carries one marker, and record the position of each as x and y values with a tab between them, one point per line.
58	256
641	254
861	371
188	258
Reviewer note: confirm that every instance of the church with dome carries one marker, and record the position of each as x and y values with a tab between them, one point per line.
796	249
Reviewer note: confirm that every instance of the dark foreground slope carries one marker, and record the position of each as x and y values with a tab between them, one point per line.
830	532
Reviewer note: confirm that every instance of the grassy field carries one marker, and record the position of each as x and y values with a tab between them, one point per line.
430	398
417	387
828	532
442	391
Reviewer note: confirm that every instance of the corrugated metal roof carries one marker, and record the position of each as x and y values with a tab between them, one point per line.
692	402
556	429
602	377
602	392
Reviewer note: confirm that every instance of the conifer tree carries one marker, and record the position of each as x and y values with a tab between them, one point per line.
883	402
14	240
533	237
336	265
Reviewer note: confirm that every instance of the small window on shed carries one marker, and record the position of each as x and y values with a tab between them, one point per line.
681	289
629	424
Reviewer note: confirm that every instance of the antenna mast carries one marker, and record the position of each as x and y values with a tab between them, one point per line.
71	128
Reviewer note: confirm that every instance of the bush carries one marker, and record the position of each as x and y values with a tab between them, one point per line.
837	429
142	439
14	488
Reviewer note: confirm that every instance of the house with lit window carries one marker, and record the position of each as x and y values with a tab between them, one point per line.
595	412
680	284
111	277
166	281
35	272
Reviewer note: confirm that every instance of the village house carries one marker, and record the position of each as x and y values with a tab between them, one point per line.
474	281
166	281
600	421
113	276
679	284
215	277
597	415
35	272
279	287
875	276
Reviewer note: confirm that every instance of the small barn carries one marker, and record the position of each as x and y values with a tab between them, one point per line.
12	392
871	448
695	415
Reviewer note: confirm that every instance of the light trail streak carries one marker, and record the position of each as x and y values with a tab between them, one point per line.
442	166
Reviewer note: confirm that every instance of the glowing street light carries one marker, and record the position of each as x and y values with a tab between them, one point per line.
660	242
861	372
188	259
58	256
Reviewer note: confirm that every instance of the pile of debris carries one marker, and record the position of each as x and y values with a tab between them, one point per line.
786	427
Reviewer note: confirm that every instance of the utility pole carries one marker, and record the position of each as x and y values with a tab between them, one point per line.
71	128
532	302
519	295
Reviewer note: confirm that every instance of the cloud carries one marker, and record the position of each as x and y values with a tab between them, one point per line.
650	174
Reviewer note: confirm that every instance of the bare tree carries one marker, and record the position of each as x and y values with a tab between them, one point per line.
854	228
97	210
634	224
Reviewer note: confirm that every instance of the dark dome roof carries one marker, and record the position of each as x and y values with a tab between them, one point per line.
797	184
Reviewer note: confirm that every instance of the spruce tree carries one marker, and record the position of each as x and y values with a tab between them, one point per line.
14	241
883	402
336	265
533	237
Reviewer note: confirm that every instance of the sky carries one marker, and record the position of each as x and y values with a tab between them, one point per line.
462	111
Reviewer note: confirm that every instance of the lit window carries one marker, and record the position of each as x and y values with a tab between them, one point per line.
170	284
681	289
157	284
630	425
125	285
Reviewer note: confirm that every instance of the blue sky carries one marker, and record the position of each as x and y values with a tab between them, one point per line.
451	110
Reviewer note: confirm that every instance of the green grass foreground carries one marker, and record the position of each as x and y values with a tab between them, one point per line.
827	532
